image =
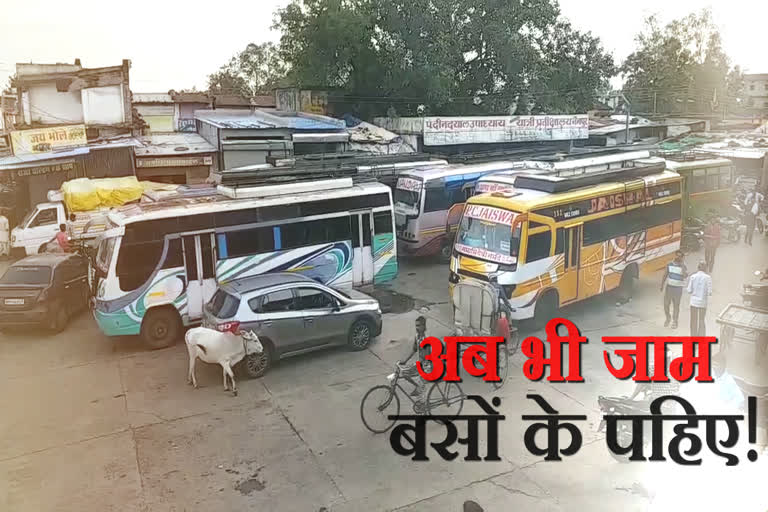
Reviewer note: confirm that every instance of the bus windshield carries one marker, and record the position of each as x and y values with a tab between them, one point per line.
488	240
104	254
408	193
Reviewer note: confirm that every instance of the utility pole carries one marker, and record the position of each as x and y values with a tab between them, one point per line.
626	125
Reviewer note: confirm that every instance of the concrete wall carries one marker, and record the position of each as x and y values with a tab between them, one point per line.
401	125
48	106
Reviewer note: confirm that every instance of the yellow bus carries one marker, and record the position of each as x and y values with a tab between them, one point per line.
556	240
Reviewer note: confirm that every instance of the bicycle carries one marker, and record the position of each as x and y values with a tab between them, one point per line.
443	399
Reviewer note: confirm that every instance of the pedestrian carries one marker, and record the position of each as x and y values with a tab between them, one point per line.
700	288
71	226
411	373
751	210
711	242
674	281
62	239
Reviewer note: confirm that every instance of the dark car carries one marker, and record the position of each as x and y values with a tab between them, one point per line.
44	290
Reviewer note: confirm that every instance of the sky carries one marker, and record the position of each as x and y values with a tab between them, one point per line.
171	47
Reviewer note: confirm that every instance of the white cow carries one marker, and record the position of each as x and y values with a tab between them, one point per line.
224	348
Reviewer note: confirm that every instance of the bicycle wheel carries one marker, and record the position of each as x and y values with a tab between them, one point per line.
503	366
377	404
445	399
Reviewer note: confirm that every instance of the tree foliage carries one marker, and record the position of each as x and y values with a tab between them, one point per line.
452	56
680	67
255	70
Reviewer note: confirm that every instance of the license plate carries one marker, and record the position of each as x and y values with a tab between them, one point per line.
14	302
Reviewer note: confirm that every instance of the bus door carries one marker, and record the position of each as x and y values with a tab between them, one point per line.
362	251
569	288
200	265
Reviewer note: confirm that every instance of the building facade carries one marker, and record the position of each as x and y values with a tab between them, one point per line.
756	89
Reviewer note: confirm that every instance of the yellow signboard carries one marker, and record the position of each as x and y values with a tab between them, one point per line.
45	140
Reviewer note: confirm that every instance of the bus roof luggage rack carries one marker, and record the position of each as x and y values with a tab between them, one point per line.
281	189
553	184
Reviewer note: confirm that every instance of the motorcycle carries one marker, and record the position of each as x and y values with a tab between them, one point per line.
730	229
692	239
756	295
629	406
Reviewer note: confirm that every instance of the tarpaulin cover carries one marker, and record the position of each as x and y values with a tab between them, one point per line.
84	194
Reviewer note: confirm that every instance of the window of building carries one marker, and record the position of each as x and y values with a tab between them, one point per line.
538	246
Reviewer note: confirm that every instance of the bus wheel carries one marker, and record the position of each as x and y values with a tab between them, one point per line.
627	284
445	252
160	328
546	309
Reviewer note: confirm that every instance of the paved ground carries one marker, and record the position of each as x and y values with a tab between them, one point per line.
90	423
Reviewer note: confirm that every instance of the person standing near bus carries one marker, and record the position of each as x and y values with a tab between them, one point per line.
674	279
711	242
751	210
700	288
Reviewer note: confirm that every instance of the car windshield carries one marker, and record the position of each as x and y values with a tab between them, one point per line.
26	275
488	240
27	217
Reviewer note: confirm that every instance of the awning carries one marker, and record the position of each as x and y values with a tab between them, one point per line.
9	163
321	137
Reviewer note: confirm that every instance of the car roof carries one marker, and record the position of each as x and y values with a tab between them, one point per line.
249	284
45	260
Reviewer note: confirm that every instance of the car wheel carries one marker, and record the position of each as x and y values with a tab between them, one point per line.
160	328
360	335
59	318
257	365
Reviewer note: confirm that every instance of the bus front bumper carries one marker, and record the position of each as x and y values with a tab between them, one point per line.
116	324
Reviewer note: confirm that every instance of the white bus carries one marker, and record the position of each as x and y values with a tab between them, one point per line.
159	263
423	198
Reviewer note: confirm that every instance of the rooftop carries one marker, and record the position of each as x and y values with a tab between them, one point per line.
173	144
45	259
267	119
152	97
19	161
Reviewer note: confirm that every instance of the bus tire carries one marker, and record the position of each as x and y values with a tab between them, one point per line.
627	284
161	327
547	307
445	252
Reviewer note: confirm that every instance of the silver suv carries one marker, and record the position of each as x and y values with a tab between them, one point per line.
292	314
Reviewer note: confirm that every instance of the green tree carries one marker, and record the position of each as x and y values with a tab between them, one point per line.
680	67
254	71
447	56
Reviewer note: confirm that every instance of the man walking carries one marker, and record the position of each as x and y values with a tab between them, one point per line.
751	209
711	242
674	279
700	288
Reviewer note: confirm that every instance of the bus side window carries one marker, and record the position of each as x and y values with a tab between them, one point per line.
173	257
436	199
539	246
136	262
725	177
559	241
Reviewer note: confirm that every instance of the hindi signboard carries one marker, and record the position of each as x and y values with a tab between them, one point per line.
481	130
191	161
45	140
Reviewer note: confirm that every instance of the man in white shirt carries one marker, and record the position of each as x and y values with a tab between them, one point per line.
699	288
751	211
